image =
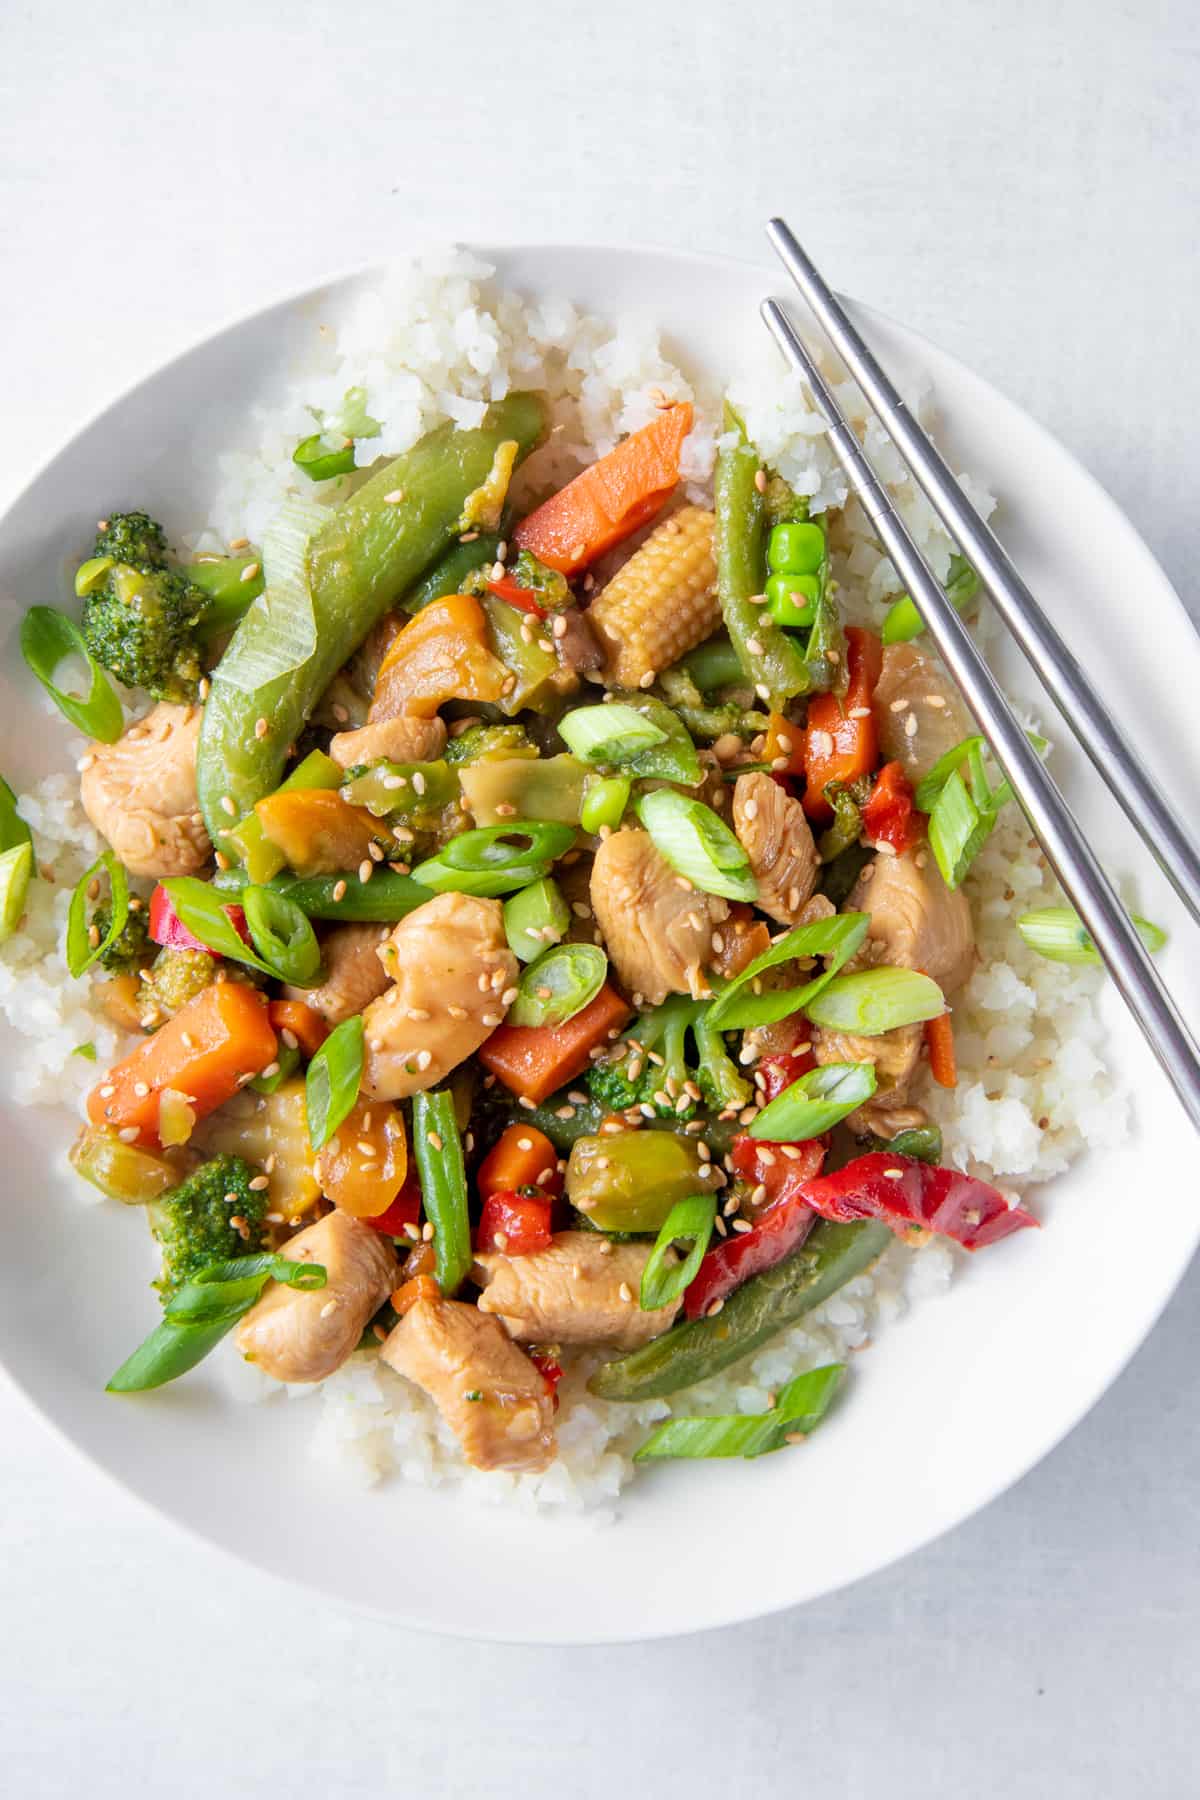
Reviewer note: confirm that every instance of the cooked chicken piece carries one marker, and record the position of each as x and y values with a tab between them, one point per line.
401	740
895	1055
354	975
496	1402
918	713
776	837
582	1290
304	1334
657	928
140	793
917	922
453	979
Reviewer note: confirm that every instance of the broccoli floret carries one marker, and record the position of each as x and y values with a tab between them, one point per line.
131	946
134	538
652	1067
211	1217
479	742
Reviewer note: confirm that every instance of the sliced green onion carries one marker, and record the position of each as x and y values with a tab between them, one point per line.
958	830
935	779
1060	935
197	1317
48	638
16	869
493	860
13	828
689	1221
876	1000
605	798
559	984
799	1408
201	907
332	1083
608	734
90	574
697	843
904	621
535	917
438	1153
81	954
322	456
282	936
815	1103
739	1007
675	758
87	1051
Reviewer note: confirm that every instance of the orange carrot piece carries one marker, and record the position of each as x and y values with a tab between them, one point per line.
421	1287
939	1039
520	1157
612	498
840	739
304	1022
784	745
213	1045
533	1060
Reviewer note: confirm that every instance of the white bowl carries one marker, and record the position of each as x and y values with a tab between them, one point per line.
952	1405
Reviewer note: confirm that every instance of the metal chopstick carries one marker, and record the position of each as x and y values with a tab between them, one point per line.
1057	668
1066	848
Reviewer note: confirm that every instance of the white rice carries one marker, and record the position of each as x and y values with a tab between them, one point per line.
435	342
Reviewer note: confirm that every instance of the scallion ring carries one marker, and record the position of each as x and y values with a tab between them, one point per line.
48	638
81	952
559	984
332	1083
815	1103
697	844
1060	935
282	935
799	1408
689	1221
608	734
738	1007
876	1000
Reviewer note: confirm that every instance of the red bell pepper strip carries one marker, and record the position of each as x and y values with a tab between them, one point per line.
778	1230
890	815
840	739
778	1072
405	1209
168	929
915	1196
515	1223
509	588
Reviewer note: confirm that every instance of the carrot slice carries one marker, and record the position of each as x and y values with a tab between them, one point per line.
840	739
304	1022
421	1287
612	498
520	1157
939	1037
533	1060
211	1047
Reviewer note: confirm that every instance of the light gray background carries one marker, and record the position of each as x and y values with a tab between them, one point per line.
1017	179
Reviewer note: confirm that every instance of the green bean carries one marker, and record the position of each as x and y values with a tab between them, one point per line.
776	668
372	548
450	571
751	1315
438	1151
708	722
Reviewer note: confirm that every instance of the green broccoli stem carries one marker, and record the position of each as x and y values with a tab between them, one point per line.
372	549
720	1082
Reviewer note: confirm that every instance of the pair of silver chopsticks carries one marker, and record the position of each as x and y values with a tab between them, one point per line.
1038	794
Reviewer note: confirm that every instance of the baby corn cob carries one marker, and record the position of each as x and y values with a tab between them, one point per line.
662	603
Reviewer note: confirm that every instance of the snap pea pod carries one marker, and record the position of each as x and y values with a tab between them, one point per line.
776	666
438	1152
450	571
761	1307
231	583
384	899
373	547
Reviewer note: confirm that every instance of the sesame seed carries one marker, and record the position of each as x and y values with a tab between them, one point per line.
228	807
894	1174
508	996
712	1311
128	1134
626	1293
489	1018
272	1068
394	498
204	689
250	571
433	1140
418	1012
424	1058
762	690
559	627
258	1183
754	646
339	890
910	725
760	480
506	809
375	852
261	728
898	706
457	1012
935	700
93	935
141	1089
290	1039
366	869
750	809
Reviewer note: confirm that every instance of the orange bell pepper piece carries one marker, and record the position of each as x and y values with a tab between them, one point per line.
440	655
209	1049
533	1060
611	499
520	1157
840	739
318	832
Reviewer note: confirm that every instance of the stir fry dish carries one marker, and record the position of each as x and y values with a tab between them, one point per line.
535	927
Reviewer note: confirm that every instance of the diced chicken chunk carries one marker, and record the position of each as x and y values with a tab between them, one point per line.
304	1334
496	1402
140	793
452	977
354	975
582	1290
776	837
657	928
401	740
918	713
917	922
895	1055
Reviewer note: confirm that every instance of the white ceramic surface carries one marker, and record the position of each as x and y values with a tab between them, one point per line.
950	1407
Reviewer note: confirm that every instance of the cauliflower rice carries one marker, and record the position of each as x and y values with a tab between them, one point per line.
436	340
